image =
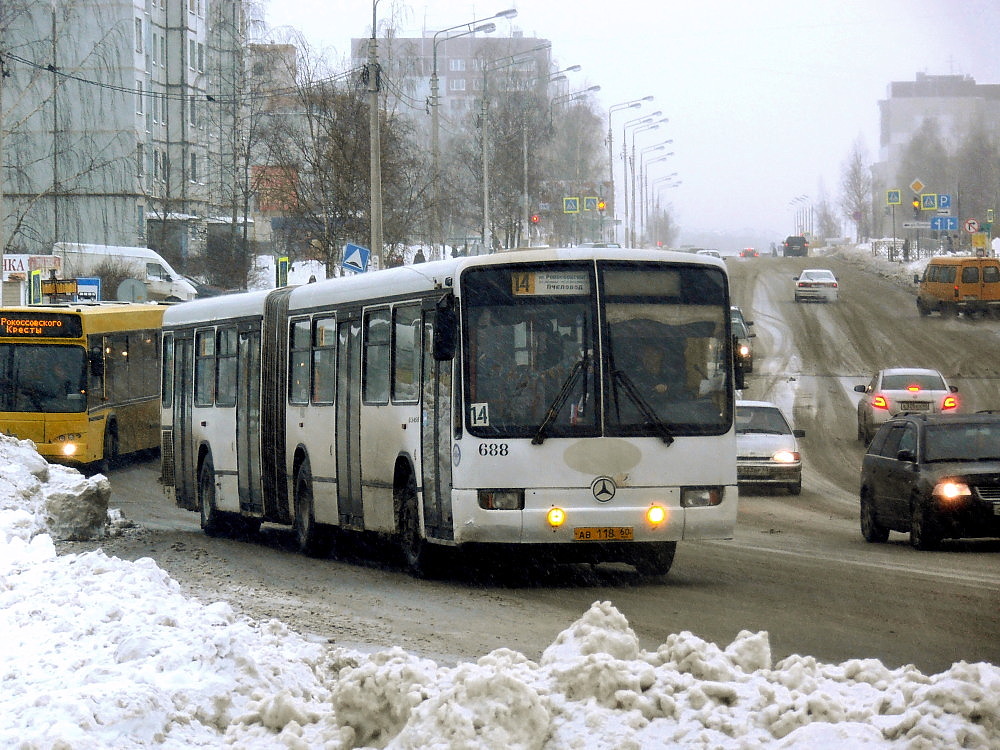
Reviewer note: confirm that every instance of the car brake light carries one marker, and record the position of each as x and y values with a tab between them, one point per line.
880	402
950	402
913	388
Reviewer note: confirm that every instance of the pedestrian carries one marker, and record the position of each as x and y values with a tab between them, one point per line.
418	257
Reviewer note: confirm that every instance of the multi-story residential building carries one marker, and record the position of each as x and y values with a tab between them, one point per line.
116	117
954	101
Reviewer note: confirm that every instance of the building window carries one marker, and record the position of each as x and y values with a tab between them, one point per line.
201	57
140	159
456	84
192	110
456	65
138	35
163	50
153	45
194	168
138	98
156	163
192	54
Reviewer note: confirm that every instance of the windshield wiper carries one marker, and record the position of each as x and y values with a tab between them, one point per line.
647	412
560	400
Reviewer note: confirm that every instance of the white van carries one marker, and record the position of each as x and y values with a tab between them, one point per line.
162	282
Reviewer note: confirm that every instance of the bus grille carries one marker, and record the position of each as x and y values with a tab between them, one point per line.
167	458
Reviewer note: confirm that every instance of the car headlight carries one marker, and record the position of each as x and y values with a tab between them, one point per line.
785	457
951	490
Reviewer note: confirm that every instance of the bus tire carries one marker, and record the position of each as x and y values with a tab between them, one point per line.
655	559
311	538
109	451
212	522
417	553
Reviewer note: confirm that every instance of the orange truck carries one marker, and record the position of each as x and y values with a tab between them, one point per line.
959	284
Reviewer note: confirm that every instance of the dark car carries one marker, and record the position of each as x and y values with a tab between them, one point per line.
795	245
935	476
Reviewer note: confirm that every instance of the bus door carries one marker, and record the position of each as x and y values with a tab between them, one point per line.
183	440
435	438
349	422
248	426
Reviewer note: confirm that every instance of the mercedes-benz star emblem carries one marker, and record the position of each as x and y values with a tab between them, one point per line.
604	489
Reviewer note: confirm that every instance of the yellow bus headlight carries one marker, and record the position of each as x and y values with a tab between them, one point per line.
556	517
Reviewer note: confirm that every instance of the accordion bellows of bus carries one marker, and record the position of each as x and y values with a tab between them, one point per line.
81	380
574	402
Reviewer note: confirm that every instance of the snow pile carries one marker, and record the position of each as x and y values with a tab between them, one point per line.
103	653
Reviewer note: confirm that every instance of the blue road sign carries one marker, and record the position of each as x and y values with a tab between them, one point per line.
928	201
944	223
571	205
893	197
356	258
944	200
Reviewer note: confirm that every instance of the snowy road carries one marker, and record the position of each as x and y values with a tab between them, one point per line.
798	567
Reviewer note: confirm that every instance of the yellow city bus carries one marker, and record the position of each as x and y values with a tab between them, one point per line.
81	380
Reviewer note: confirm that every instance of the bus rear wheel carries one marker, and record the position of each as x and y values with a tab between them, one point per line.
313	539
655	559
212	522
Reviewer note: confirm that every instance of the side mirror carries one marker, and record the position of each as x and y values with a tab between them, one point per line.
906	455
916	278
445	329
953	388
799	433
96	358
739	376
861	388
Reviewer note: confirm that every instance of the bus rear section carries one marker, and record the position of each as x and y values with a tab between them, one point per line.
81	380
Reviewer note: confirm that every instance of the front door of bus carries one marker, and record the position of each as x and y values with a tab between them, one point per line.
435	439
349	423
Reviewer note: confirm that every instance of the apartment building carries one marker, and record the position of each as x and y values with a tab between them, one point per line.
116	118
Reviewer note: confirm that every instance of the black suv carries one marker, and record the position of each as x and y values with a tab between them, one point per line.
795	245
933	475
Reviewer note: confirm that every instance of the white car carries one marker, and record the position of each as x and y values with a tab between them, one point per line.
767	451
901	389
816	284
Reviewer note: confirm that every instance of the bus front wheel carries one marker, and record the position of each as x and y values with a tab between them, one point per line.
655	559
417	553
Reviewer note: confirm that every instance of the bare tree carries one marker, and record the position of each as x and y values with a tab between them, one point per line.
856	189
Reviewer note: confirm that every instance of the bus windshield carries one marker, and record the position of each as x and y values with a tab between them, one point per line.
544	350
42	378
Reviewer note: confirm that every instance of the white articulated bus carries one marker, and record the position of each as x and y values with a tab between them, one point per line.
578	402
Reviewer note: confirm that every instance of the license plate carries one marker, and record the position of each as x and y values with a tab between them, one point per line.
996	509
754	471
914	406
602	534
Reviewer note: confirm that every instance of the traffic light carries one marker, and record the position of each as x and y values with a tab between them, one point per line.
601	205
916	206
535	218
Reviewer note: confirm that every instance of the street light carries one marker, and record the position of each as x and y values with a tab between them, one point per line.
470	27
640	217
375	146
634	123
646	126
632	104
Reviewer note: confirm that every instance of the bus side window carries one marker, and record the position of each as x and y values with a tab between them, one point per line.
298	361
376	347
226	367
167	374
324	360
204	368
406	353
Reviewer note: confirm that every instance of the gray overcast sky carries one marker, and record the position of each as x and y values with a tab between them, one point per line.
765	98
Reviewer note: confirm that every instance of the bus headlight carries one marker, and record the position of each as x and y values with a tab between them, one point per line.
556	517
700	497
69	449
655	515
68	443
501	499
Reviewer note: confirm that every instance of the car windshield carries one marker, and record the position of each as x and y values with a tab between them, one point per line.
913	381
760	419
818	275
42	378
962	441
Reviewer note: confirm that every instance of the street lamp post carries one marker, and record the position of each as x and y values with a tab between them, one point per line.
375	150
632	104
641	214
647	187
637	122
471	27
649	126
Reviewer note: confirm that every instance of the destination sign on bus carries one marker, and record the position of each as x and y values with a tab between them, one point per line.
532	283
40	325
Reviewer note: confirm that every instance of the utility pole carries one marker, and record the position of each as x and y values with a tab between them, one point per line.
3	213
374	137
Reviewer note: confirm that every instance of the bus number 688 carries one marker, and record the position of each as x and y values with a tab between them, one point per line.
493	449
